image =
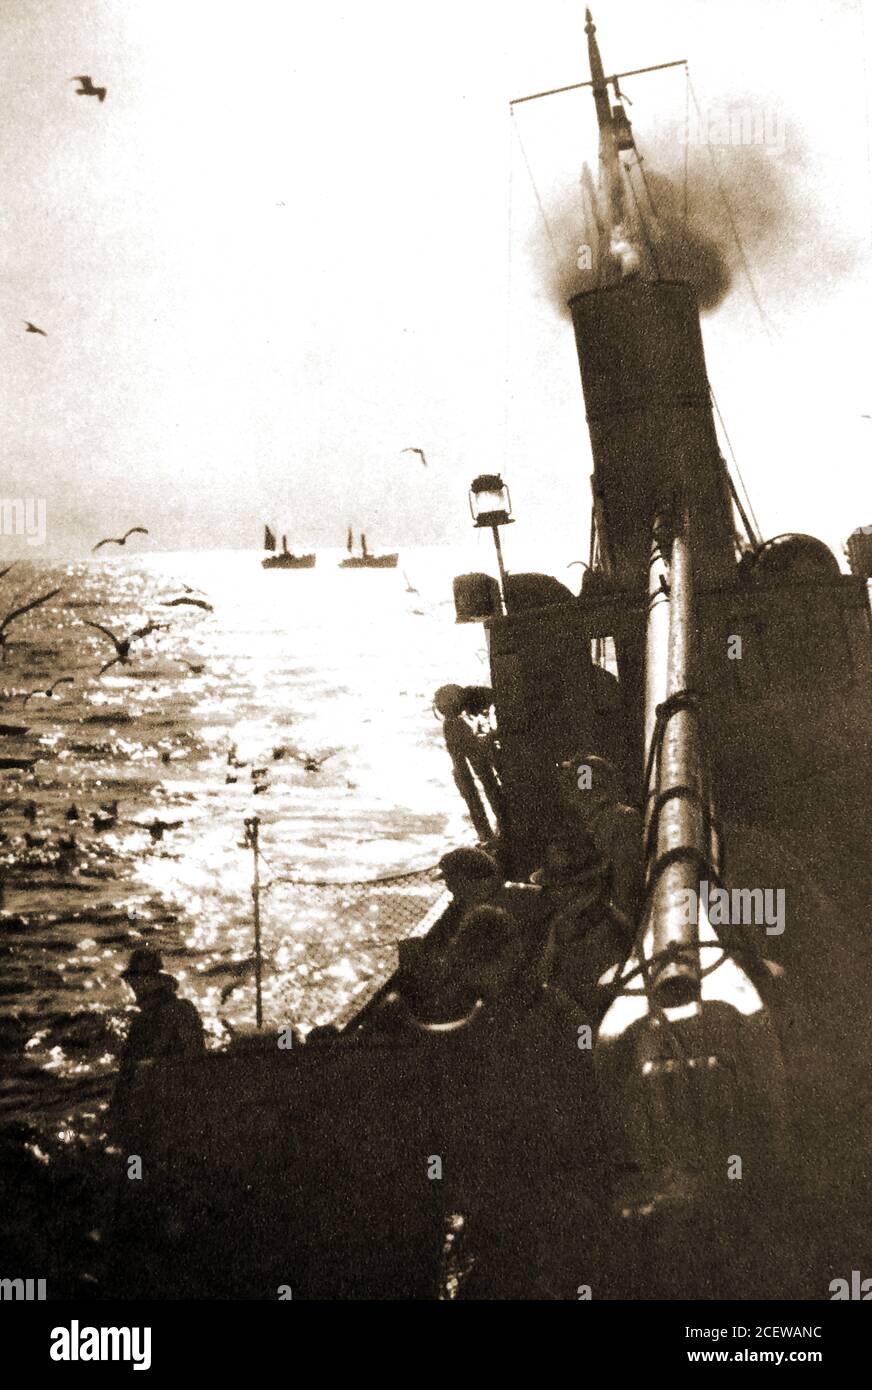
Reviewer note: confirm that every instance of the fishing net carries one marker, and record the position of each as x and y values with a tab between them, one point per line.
384	909
328	945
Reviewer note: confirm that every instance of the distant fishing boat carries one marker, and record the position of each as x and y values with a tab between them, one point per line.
366	561
284	560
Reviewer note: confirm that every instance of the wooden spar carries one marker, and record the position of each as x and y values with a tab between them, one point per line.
679	809
576	86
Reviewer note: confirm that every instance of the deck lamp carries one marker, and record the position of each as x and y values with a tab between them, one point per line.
490	504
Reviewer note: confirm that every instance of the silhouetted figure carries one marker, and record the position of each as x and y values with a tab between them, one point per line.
591	793
165	1026
471	754
485	962
473	878
586	933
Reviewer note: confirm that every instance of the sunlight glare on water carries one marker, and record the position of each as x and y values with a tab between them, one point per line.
321	680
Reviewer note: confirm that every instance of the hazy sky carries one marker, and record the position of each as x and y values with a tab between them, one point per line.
298	237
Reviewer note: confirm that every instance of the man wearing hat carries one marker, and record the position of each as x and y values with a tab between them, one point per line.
471	754
165	1026
475	880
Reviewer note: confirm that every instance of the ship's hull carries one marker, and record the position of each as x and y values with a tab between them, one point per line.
314	1167
289	562
370	562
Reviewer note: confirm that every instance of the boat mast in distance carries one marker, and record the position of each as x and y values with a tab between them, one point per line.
285	560
366	561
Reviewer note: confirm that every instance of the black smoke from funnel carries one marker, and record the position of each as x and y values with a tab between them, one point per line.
678	248
689	234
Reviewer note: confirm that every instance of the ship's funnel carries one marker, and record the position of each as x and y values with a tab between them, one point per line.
651	429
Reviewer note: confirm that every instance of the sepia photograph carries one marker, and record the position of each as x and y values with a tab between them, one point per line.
436	664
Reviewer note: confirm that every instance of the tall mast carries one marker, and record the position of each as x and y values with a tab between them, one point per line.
610	164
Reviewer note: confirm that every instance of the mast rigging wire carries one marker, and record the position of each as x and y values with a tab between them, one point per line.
755	539
545	221
768	326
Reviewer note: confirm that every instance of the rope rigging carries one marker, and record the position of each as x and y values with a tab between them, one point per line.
768	326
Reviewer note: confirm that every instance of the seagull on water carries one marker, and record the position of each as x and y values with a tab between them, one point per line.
193	602
310	762
106	815
61	680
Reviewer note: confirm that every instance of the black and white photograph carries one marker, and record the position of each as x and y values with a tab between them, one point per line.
436	666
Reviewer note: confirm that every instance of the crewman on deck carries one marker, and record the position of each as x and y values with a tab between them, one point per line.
591	792
165	1026
586	934
473	878
486	961
472	755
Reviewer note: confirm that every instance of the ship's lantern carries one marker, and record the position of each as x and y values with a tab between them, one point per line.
490	501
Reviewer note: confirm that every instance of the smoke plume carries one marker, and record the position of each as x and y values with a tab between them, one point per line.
704	213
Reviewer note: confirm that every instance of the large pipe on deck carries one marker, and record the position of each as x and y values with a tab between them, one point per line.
676	815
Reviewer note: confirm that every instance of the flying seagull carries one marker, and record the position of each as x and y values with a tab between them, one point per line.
19	612
193	602
157	827
122	645
32	328
61	680
419	452
310	762
120	540
88	89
